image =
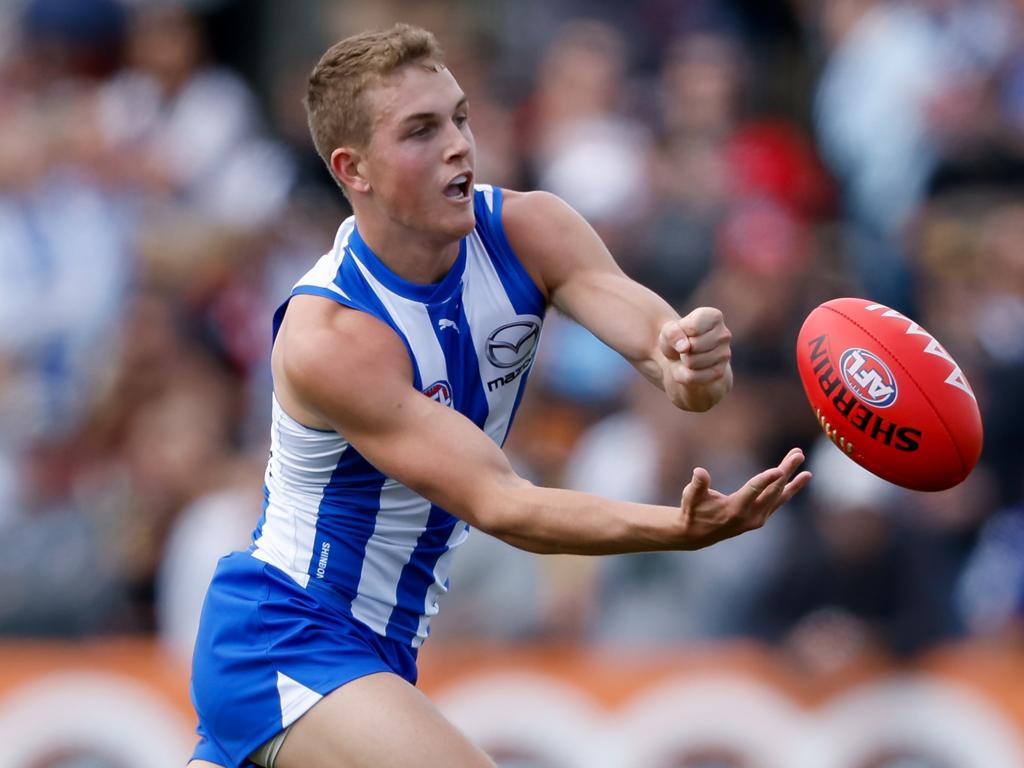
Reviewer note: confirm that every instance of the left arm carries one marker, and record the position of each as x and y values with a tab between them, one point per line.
688	357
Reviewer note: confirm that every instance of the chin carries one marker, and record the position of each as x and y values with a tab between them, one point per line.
459	226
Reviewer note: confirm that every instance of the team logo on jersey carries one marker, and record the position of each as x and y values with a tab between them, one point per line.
868	377
440	391
513	343
444	322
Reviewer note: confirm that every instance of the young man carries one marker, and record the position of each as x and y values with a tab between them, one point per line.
398	364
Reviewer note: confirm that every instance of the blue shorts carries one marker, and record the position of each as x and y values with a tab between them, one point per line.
267	651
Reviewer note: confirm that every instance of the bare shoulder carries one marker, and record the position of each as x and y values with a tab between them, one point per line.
553	241
531	219
330	359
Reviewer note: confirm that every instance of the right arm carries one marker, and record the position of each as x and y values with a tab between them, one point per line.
363	390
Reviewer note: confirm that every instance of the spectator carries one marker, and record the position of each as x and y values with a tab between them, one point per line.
189	131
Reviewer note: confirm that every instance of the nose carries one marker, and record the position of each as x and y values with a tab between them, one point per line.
460	142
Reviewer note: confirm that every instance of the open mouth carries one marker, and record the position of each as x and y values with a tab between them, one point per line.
458	188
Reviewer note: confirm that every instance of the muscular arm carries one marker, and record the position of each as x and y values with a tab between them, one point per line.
687	357
363	390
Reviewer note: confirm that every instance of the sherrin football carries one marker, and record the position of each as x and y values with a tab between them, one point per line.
889	395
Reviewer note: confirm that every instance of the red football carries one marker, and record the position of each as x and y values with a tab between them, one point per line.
889	395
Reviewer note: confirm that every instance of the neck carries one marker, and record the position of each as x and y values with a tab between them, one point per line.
411	255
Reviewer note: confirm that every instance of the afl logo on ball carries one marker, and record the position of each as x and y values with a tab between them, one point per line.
513	343
868	377
440	391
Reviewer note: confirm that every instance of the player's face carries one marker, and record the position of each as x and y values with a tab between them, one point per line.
419	163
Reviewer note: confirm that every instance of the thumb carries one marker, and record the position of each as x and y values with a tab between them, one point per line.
697	488
673	341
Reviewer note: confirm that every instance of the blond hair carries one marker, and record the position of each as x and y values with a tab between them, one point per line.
335	110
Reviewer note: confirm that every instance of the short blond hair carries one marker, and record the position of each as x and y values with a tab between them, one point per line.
335	110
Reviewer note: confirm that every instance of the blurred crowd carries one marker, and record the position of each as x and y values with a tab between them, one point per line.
159	196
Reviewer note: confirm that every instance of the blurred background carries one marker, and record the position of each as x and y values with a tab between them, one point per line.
159	195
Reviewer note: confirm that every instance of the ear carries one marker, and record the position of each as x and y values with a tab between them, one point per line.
348	167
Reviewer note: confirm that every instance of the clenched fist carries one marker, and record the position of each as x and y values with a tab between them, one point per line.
697	373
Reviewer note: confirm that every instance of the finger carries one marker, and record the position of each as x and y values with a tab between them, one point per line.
698	361
794	486
672	340
792	461
758	484
717	338
786	467
683	374
700	321
697	488
769	500
775	493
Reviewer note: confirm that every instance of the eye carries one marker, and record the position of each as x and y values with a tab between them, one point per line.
461	120
421	132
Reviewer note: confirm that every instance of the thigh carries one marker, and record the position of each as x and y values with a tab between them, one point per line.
377	721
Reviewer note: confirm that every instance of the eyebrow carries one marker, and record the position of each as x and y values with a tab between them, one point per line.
430	115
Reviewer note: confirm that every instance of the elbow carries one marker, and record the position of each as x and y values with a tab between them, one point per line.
502	510
499	520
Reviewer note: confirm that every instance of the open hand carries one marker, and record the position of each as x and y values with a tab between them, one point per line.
709	516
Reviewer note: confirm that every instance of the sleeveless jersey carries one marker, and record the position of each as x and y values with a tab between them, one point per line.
354	538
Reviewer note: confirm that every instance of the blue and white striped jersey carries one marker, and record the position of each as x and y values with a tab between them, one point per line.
360	541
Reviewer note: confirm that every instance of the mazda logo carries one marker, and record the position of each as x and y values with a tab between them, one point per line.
512	343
